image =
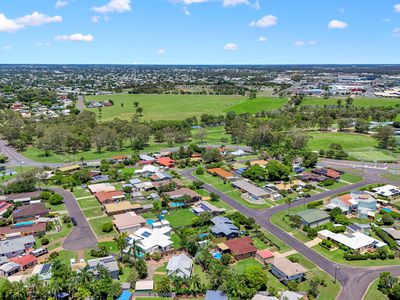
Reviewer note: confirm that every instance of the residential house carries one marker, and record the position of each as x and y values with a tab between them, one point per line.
356	241
23	229
25	261
345	202
330	173
109	197
101	187
286	271
204	206
225	175
182	192
387	191
180	265
128	222
313	217
144	286
120	207
307	176
9	269
29	212
262	163
361	202
147	170
119	158
109	262
69	169
165	162
250	190
394	233
152	240
16	246
160	176
4	206
223	227
215	295
240	248
265	256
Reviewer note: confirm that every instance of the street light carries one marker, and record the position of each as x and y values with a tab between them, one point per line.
336	268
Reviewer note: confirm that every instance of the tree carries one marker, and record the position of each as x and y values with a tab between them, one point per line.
56	199
107	227
199	170
133	277
385	136
139	111
136	103
226	259
164	285
195	285
214	196
386	282
121	243
310	159
277	171
202	135
212	155
335	211
256	173
387	219
344	124
342	219
362	126
82	293
141	268
313	288
256	278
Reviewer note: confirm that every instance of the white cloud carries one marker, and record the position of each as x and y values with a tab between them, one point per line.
266	21
61	4
40	44
397	8
76	37
312	43
8	25
188	2
299	43
336	24
34	19
227	3
262	39
186	11
256	5
7	47
95	19
37	19
231	47
396	32
160	51
118	6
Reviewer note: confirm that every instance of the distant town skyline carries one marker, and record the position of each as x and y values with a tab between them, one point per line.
200	32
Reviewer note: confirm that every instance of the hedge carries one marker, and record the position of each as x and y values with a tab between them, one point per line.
315	204
385	237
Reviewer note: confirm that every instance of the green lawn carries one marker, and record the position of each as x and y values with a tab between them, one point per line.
352	178
230	191
197	270
97	226
374	294
59	207
65	230
329	292
257	105
358	146
66	255
93	212
88	203
259	244
165	107
395	177
337	256
279	219
176	241
80	192
180	217
19	170
359	102
241	265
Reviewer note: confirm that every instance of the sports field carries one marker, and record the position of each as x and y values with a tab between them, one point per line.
165	107
359	146
360	102
260	104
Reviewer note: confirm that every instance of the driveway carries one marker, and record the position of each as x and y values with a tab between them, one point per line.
82	236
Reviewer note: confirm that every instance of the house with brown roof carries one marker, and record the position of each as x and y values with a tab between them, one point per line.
109	197
28	229
128	222
182	192
121	207
26	261
225	175
29	212
286	271
330	173
240	248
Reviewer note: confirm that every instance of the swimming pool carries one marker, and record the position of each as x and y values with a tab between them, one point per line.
203	235
177	204
27	223
150	221
387	210
216	255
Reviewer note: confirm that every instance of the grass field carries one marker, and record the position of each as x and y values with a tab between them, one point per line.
180	217
359	146
359	102
88	203
97	226
165	107
260	104
374	294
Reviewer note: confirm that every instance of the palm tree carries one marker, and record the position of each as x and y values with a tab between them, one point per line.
121	242
177	284
289	202
33	283
18	291
85	276
195	284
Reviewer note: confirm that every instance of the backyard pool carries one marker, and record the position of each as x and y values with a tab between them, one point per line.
177	204
387	210
216	255
27	223
150	221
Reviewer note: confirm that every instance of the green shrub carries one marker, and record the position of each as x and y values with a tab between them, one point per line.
315	204
44	241
107	227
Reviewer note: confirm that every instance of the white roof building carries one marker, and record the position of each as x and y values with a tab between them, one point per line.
387	191
147	169
101	187
152	240
356	241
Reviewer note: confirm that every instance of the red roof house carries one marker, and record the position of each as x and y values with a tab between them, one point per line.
25	261
4	206
166	162
264	256
240	248
108	197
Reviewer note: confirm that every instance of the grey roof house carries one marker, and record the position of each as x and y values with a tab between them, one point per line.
180	265
224	227
17	246
109	262
313	217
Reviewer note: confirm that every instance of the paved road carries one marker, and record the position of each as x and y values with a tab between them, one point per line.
82	236
354	280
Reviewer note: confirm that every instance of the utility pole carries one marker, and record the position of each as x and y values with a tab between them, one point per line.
336	268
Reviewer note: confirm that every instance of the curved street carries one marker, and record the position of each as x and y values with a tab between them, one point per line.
354	280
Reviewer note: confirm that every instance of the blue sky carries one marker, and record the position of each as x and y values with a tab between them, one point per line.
200	31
